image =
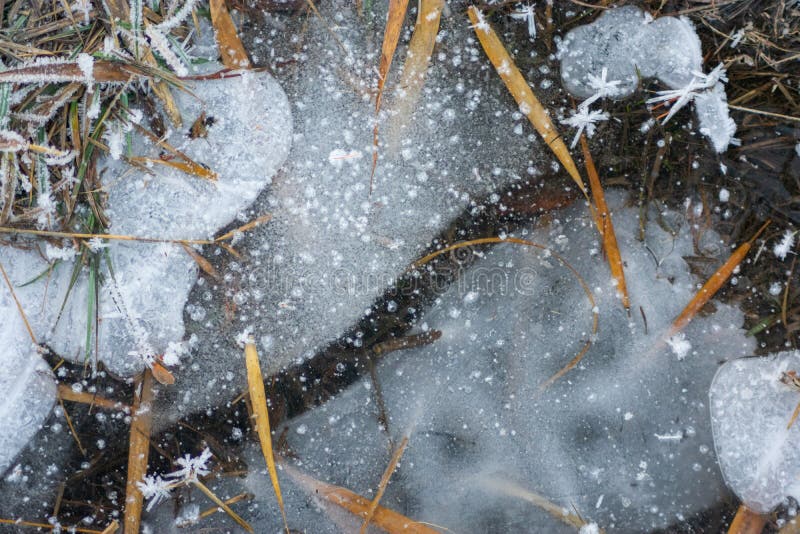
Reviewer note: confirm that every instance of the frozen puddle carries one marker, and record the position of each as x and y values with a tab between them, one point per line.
624	438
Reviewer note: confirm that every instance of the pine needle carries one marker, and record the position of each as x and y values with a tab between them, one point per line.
387	474
227	509
713	284
512	489
415	68
522	93
258	398
605	226
139	449
230	46
384	518
391	35
92	399
487	240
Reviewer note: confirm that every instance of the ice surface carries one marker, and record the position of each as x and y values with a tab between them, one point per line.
331	248
750	410
629	44
27	385
625	437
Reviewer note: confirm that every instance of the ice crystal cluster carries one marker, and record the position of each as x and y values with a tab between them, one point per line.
629	44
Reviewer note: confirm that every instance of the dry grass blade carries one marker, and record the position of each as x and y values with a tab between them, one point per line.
77	439
412	78
490	240
233	500
48	526
110	237
189	167
512	489
713	284
231	48
391	35
606	226
258	398
747	521
103	72
138	452
384	518
18	303
793	418
68	394
522	93
203	263
387	475
245	227
233	515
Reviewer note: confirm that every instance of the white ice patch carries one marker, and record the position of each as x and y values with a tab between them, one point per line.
750	411
625	44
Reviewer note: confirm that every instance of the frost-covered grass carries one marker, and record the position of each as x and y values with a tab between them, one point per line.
77	157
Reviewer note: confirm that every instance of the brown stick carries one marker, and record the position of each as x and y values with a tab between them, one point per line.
141	425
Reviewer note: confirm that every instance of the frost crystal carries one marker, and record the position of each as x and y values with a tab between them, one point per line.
785	245
602	86
584	119
154	489
680	345
481	25
192	468
527	13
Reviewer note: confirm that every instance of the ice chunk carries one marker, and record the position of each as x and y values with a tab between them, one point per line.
141	305
752	401
27	383
627	43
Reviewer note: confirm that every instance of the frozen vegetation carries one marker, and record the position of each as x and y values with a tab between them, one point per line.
625	437
331	247
626	44
752	402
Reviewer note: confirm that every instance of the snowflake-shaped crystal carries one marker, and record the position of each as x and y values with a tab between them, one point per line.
527	13
585	120
192	468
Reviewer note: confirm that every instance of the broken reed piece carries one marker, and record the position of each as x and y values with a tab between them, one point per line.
605	226
258	399
231	49
387	475
384	518
529	105
138	451
91	399
412	79
713	284
391	35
